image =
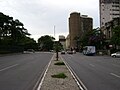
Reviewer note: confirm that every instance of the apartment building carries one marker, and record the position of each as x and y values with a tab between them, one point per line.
109	9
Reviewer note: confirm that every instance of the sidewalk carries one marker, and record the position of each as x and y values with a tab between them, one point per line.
50	83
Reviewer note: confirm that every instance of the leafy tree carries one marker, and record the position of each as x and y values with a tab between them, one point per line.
57	46
28	43
116	36
46	42
5	26
12	32
94	37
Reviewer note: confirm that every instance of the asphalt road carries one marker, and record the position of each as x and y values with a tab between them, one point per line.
96	72
22	71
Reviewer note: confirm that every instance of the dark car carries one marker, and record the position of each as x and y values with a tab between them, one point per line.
29	51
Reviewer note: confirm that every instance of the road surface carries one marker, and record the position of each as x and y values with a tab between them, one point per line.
96	72
22	71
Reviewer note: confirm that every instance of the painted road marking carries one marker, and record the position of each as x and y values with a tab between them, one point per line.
75	77
115	75
8	67
92	65
41	82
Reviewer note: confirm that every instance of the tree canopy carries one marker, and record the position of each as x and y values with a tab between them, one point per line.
13	34
94	37
116	36
11	30
46	42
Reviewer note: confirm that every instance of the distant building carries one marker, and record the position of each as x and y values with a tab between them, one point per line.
109	9
78	25
62	40
68	42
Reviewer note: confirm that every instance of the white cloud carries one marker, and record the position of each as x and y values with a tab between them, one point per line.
40	16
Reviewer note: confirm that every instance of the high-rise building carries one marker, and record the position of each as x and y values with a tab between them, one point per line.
109	9
78	25
74	27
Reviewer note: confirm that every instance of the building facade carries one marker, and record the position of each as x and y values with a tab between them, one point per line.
74	28
78	25
62	40
109	9
68	41
107	30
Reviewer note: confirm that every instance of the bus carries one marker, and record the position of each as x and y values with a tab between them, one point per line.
89	50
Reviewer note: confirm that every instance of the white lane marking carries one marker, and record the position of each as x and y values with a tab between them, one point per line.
40	85
8	67
75	76
115	75
92	65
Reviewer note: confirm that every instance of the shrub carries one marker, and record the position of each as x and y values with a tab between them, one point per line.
59	63
60	75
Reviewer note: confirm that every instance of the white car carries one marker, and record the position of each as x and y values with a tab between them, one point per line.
117	54
62	52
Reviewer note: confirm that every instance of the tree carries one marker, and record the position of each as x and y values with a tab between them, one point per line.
5	26
12	32
94	37
57	48
18	31
116	36
28	43
46	42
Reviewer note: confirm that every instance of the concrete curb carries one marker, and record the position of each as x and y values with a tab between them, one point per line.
49	83
78	81
43	76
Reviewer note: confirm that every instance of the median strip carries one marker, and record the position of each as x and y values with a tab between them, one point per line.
58	77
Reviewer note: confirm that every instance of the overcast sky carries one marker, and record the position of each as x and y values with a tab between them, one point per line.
40	16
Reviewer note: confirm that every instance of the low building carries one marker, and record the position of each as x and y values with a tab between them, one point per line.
62	40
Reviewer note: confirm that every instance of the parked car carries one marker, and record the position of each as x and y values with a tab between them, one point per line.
117	54
62	52
70	52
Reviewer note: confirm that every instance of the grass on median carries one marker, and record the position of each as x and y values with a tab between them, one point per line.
59	63
60	75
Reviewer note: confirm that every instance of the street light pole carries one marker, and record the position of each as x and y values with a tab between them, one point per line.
54	30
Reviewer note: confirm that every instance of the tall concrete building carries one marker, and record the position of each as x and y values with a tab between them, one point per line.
74	28
78	25
109	9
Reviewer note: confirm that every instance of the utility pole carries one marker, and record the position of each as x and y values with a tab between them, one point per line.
54	31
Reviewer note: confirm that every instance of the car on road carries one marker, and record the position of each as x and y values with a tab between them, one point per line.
63	52
117	54
70	52
29	51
